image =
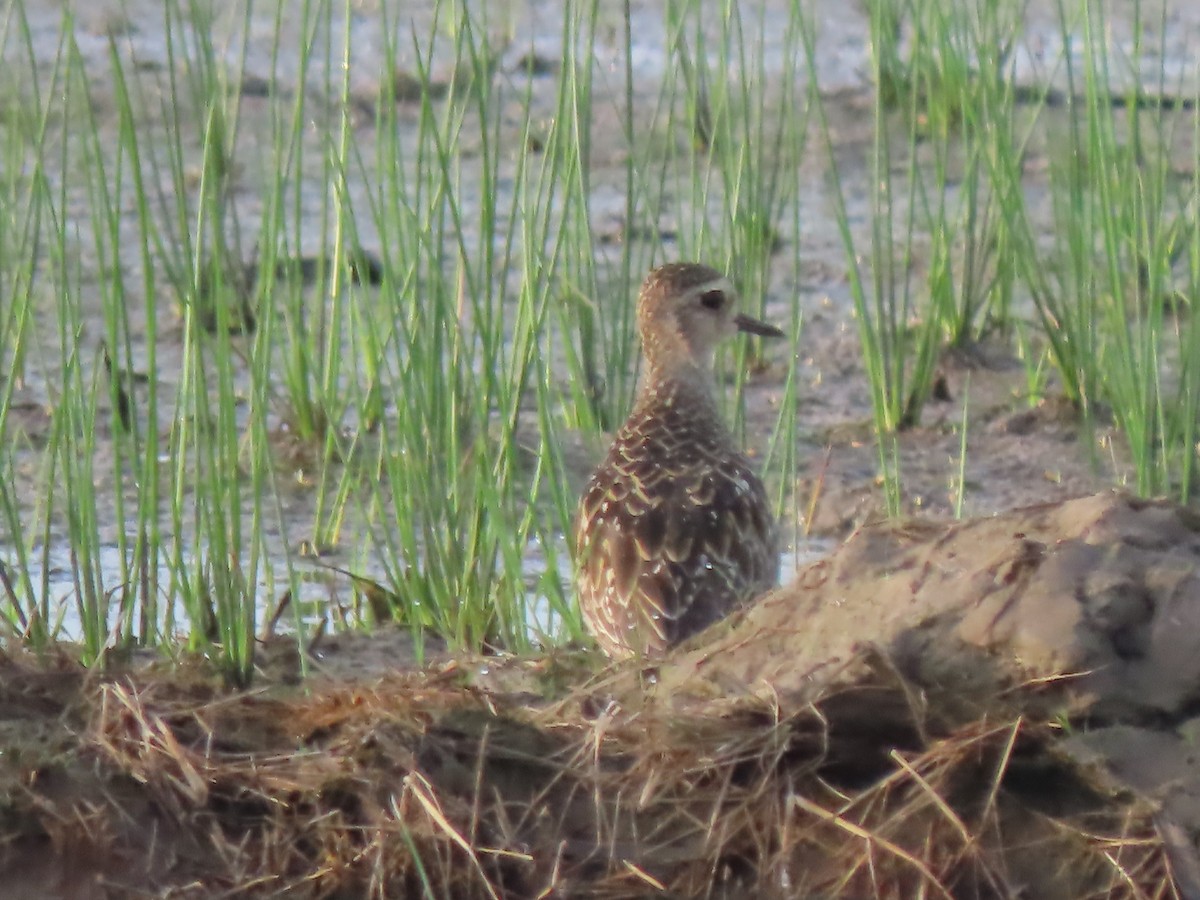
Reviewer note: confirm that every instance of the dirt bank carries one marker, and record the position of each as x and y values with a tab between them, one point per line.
951	711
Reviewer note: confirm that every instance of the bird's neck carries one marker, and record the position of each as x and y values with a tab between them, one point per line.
686	383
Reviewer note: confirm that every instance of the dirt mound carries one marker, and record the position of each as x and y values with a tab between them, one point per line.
1104	587
420	786
973	710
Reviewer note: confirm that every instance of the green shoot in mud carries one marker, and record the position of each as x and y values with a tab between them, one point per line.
954	98
960	480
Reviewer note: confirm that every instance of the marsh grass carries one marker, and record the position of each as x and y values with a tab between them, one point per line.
955	244
748	130
944	112
185	266
1104	292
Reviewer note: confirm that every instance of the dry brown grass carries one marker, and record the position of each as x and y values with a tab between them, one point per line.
419	786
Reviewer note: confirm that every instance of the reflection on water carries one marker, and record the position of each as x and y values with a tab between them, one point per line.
796	556
53	575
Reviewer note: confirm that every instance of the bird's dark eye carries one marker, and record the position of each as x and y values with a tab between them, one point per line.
713	300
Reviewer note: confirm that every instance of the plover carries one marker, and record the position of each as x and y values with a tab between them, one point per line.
674	529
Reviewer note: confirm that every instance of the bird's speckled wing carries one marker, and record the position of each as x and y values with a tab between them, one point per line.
674	533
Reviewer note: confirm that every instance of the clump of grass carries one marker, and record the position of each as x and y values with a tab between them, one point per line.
410	397
958	102
1104	290
956	213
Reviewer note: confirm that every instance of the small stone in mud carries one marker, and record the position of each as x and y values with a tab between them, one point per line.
623	233
366	268
535	64
233	284
410	88
940	390
255	86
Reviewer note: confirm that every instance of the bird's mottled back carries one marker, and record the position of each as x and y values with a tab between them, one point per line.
674	529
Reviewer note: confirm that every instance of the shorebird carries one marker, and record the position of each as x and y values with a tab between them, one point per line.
674	527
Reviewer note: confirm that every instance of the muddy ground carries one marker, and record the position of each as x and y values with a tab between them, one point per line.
999	708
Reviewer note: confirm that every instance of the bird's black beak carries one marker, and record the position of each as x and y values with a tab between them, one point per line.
751	325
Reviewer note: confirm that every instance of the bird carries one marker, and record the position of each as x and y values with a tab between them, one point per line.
674	529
